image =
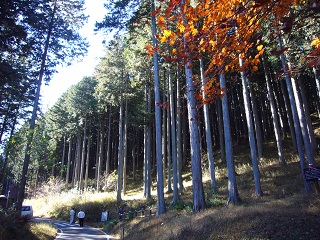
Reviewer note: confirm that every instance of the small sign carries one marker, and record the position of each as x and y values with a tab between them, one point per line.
104	216
312	174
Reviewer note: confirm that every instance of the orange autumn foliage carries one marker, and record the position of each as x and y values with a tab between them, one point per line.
221	29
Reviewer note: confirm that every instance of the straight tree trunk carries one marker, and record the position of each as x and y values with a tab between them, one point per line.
208	133
160	191
82	167
252	141
23	180
306	114
179	150
134	163
169	186
108	145
97	157
148	196
63	157
69	160
77	162
289	112
276	124
302	120
124	185
198	193
173	142
220	128
87	161
232	184
236	115
147	148
317	80
184	119
6	160
101	153
257	123
120	147
295	115
316	76
164	132
279	101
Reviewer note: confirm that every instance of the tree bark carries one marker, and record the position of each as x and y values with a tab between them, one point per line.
274	115
232	184
173	142
34	112
82	167
252	141
120	147
160	191
208	133
294	114
179	150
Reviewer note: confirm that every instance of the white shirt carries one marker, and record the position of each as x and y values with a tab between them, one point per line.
72	212
81	214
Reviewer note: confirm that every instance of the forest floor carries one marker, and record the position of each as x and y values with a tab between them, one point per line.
284	211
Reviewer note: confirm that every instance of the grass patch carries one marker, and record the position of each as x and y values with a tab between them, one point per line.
284	211
11	229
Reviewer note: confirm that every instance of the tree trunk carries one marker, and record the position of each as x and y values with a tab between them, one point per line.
302	120
220	128
164	131
120	147
198	193
69	160
232	185
316	76
179	150
108	145
257	123
82	167
173	143
6	160
160	191
34	112
168	149
289	114
87	160
134	163
147	146
63	157
101	153
208	133
252	141
274	115
125	155
77	162
306	114
295	115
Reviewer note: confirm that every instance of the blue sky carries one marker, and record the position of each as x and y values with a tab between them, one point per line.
68	76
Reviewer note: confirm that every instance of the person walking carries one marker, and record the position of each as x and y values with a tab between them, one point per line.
72	216
81	216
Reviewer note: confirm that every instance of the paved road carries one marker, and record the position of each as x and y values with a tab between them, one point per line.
74	231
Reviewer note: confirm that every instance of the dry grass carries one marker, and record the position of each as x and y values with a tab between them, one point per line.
11	229
285	211
43	231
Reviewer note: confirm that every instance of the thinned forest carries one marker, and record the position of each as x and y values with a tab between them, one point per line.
180	84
